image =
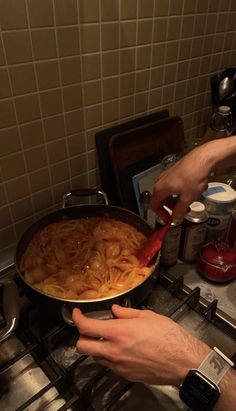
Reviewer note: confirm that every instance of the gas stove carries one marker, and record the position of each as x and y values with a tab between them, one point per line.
40	368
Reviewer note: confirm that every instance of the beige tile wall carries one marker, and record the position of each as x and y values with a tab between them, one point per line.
69	68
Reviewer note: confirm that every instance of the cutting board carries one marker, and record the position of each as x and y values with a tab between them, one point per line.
102	138
141	148
145	181
129	198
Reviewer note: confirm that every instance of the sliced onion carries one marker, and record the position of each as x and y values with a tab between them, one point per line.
217	262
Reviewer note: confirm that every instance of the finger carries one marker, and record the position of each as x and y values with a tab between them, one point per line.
76	311
156	201
90	346
171	201
125	313
91	327
76	314
159	199
180	209
103	361
163	214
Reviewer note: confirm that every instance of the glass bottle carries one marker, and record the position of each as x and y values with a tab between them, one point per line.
220	126
222	121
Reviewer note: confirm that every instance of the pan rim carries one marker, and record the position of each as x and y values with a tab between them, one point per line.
59	210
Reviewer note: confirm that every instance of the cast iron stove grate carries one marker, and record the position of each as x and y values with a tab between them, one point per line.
84	385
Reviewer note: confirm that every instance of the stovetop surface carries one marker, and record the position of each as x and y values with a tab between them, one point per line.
53	364
225	293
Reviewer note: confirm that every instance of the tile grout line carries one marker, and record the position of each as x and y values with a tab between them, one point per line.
82	89
186	115
50	59
61	94
90	106
101	62
178	53
106	22
165	52
197	138
190	53
136	57
119	61
22	150
151	59
39	102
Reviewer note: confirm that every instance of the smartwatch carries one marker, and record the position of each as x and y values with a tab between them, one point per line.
200	390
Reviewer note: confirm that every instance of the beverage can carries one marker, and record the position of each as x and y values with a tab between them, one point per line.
171	242
193	232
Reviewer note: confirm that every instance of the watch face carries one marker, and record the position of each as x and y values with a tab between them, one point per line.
199	393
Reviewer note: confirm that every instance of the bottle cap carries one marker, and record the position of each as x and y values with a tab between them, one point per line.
220	193
196	209
224	109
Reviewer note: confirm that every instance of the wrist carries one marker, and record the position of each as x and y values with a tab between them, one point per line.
191	359
209	156
227	388
206	385
219	153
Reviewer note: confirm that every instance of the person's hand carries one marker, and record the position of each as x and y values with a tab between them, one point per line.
140	345
187	179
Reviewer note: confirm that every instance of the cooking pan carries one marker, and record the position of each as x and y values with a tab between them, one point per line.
56	306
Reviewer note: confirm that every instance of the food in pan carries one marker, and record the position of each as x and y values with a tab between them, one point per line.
84	259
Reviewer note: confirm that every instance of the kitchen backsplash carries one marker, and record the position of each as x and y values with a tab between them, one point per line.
69	68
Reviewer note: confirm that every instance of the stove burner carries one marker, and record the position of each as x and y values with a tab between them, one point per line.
40	367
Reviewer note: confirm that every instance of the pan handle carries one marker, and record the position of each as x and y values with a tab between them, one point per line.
84	192
97	315
10	309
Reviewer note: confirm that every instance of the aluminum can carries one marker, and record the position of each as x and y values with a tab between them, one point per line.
232	231
194	230
219	200
170	245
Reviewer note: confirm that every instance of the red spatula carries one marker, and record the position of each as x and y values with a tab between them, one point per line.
153	245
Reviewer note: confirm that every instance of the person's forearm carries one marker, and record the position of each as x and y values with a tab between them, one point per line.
221	153
227	400
142	346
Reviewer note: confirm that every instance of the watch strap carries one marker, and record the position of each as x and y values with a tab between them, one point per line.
215	365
